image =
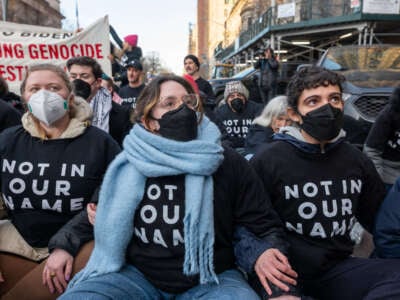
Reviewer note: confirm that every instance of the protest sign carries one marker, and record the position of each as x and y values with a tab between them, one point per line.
22	45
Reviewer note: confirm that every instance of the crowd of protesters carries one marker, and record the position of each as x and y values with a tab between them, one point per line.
147	190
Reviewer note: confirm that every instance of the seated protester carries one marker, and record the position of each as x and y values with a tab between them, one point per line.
273	117
13	99
45	181
319	185
237	114
387	225
173	161
382	145
9	116
107	115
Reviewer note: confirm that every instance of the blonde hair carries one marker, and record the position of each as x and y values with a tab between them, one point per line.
46	67
60	73
276	106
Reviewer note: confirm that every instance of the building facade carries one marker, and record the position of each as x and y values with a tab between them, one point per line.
220	22
33	12
299	30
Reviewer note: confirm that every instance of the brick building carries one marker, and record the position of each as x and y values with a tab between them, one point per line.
34	12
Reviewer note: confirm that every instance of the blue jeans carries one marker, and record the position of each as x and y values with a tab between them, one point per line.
130	283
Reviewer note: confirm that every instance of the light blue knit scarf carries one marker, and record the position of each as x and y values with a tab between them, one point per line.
148	155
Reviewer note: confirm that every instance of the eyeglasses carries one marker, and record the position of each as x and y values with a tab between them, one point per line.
191	100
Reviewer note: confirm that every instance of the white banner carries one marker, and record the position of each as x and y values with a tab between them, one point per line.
286	10
381	6
22	45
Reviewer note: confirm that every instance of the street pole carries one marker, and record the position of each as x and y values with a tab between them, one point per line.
274	10
77	15
4	9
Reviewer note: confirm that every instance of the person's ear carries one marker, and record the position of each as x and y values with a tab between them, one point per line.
70	100
294	115
98	82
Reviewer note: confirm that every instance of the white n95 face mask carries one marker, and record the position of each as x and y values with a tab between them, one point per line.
47	106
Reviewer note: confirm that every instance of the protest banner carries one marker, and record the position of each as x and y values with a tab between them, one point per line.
22	45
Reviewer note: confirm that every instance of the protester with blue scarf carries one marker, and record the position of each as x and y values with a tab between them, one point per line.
168	208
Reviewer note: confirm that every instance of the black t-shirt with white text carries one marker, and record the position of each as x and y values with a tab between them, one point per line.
129	95
237	124
157	248
44	183
318	196
158	233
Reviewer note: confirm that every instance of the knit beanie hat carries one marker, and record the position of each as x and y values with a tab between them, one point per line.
131	39
194	58
235	87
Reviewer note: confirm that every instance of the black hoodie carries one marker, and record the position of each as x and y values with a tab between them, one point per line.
318	194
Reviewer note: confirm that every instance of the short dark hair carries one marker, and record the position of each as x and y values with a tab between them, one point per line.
193	58
86	61
310	78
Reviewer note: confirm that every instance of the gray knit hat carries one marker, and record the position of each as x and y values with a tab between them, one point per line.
235	87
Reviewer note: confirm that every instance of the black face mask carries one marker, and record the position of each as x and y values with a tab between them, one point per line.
323	123
179	124
81	88
238	105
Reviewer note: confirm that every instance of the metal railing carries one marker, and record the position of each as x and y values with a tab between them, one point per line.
306	12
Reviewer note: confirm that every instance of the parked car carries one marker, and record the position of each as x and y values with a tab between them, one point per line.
249	77
222	71
371	72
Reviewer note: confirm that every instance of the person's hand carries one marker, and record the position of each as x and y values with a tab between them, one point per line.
111	57
125	47
1	277
57	271
273	267
91	210
78	30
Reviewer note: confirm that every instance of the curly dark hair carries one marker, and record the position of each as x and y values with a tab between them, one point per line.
310	78
86	61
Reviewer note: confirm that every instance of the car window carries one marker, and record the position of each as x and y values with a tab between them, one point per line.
243	73
366	66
